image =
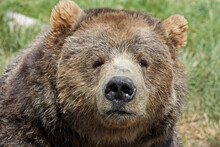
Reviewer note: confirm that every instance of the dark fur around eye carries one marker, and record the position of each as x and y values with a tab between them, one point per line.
97	64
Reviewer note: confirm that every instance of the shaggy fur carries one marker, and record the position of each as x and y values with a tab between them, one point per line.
52	93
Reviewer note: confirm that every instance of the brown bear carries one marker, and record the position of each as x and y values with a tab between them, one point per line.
98	77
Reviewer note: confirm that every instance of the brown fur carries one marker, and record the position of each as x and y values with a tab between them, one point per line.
51	94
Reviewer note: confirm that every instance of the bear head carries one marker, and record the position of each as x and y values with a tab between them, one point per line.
118	72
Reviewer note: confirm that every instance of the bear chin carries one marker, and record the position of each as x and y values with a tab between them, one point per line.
119	119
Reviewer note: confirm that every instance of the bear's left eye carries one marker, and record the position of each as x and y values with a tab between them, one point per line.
97	64
143	63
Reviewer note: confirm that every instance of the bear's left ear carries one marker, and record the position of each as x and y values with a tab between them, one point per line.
174	32
174	29
66	15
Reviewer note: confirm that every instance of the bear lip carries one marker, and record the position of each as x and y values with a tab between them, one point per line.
118	112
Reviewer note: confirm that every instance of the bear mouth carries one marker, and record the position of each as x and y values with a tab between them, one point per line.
118	119
118	112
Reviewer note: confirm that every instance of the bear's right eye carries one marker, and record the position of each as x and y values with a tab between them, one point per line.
97	64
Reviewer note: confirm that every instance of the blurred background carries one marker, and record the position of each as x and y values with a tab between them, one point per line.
200	122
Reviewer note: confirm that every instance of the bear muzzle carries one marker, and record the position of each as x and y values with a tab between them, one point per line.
121	95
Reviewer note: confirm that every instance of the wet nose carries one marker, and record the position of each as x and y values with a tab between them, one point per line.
120	89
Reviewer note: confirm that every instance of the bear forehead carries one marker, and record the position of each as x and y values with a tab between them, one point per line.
118	22
107	30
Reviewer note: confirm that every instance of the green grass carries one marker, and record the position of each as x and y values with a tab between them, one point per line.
201	55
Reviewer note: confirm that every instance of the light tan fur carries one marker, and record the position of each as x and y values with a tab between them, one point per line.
175	29
66	14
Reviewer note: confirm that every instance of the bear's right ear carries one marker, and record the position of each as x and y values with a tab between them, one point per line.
66	15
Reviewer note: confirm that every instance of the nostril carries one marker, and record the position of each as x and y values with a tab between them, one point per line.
112	88
126	89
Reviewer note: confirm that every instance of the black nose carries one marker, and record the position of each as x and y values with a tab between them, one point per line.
120	89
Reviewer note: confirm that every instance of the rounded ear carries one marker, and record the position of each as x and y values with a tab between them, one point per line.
66	15
174	31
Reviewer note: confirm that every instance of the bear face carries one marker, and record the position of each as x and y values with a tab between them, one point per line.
118	68
118	51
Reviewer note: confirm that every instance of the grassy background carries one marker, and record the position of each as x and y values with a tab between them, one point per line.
200	124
